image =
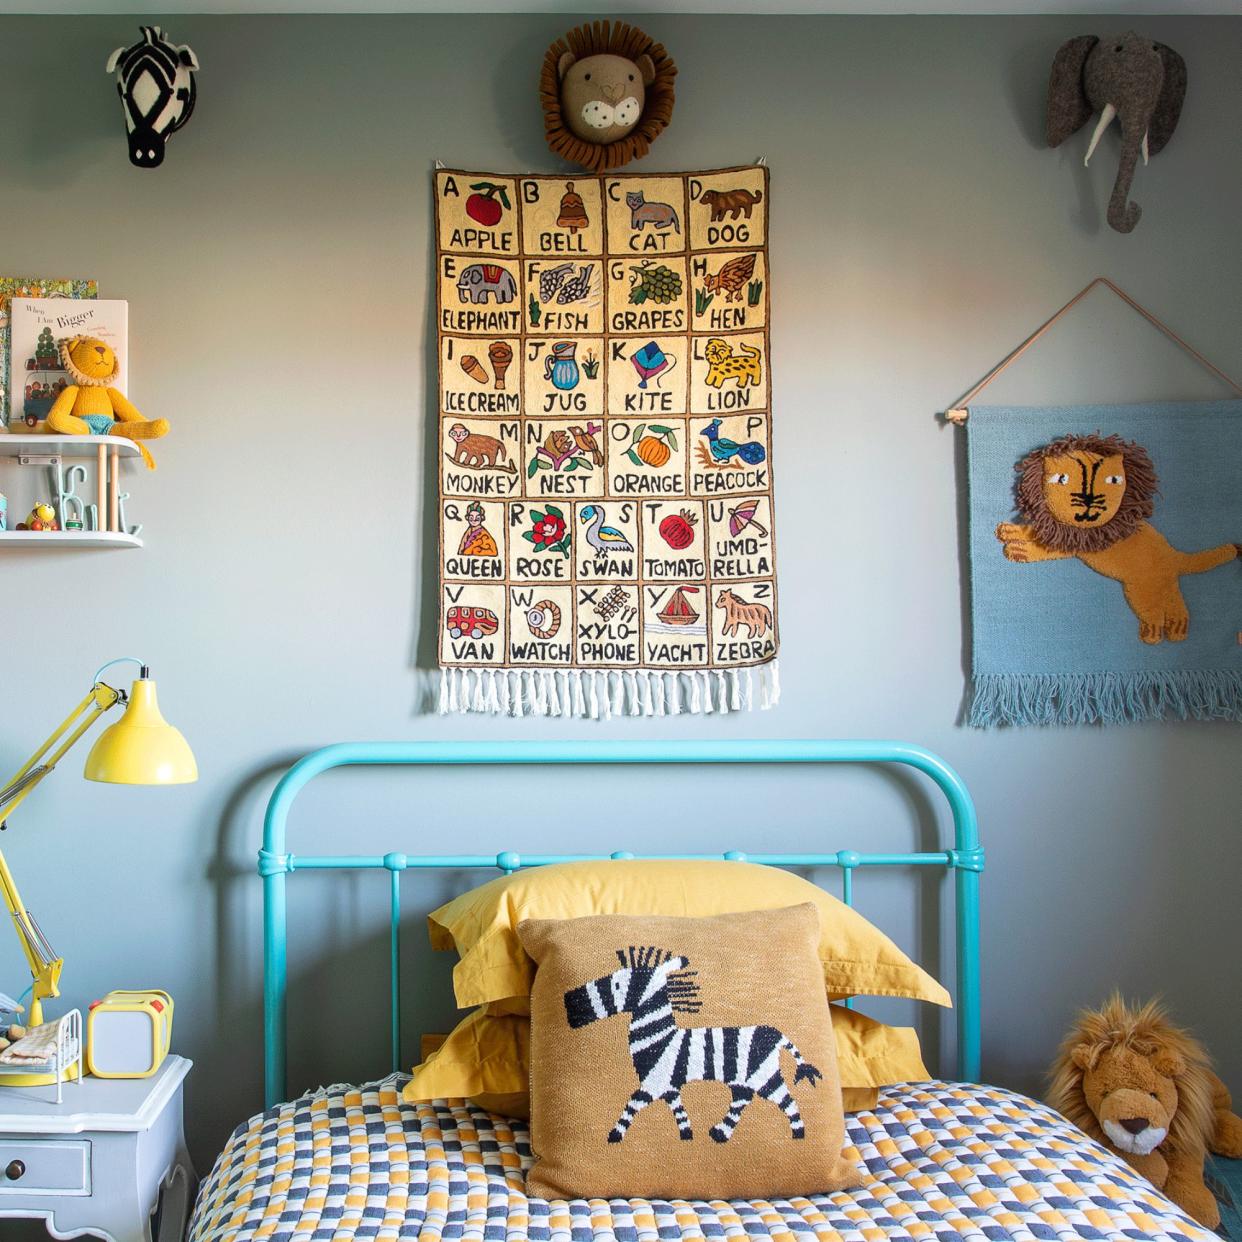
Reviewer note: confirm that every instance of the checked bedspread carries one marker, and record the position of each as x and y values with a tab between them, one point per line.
943	1161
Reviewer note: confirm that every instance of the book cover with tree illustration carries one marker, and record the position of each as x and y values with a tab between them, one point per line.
36	328
30	287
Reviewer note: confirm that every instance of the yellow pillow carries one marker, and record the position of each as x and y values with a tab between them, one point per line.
486	1058
858	959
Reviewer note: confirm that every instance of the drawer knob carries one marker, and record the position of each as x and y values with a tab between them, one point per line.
15	1170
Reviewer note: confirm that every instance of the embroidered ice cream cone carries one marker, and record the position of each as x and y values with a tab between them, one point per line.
474	368
500	355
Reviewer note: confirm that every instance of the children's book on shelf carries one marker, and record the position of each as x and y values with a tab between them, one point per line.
29	287
36	328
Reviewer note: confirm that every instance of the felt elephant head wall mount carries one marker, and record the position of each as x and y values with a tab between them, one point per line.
155	79
1131	79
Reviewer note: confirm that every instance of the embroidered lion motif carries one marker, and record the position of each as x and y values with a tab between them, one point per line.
1090	497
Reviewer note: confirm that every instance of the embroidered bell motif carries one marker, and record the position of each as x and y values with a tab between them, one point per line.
573	214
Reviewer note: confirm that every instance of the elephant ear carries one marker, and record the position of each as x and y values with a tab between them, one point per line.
1168	107
1068	105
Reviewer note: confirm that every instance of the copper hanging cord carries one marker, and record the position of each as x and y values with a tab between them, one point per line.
959	413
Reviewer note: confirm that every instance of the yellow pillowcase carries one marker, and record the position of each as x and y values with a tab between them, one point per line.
858	959
486	1058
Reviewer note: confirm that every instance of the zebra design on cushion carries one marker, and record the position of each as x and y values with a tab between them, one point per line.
652	986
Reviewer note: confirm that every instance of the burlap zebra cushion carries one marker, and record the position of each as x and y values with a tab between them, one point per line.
683	1058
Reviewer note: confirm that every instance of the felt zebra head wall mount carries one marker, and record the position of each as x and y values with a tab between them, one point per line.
155	79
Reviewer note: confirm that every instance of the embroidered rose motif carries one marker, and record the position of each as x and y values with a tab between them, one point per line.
548	531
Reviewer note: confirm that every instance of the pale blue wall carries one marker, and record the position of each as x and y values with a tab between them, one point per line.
276	269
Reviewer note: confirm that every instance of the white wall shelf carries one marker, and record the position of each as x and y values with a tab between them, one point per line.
22	445
55	453
69	538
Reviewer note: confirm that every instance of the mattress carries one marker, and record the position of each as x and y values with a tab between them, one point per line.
942	1161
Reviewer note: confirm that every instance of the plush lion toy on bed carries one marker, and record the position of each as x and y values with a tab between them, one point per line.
1130	1079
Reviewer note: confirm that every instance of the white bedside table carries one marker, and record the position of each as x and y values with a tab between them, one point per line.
99	1161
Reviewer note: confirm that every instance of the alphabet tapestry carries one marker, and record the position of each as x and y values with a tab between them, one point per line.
1105	574
606	532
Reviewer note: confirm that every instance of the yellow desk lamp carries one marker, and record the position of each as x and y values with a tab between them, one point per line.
141	748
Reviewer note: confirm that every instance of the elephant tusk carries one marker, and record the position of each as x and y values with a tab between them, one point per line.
1145	155
1106	119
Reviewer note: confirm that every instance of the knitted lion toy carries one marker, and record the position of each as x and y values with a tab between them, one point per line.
91	405
1130	1079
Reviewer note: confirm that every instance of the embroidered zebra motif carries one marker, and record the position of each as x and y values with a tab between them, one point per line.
155	80
652	986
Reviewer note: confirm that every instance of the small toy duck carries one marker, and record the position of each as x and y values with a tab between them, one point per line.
603	538
42	517
752	452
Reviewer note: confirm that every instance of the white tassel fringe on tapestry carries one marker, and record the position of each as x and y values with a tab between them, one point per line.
601	694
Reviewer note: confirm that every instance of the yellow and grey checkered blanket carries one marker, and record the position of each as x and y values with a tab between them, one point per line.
943	1161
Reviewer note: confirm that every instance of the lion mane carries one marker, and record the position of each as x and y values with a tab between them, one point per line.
618	39
1149	1033
1137	503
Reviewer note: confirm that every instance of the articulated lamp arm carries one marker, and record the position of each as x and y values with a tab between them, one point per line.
45	966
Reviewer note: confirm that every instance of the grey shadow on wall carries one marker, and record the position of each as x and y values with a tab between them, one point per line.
84	121
522	135
234	879
424	641
961	480
521	127
1027	90
338	1017
929	881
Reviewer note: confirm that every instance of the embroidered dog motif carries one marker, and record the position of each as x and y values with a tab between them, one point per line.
1089	497
732	203
724	364
652	986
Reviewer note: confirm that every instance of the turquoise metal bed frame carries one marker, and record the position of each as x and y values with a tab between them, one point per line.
965	859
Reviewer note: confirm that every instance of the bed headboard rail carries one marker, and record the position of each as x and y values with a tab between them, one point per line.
276	863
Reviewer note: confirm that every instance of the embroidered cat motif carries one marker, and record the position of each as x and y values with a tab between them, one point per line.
658	215
723	364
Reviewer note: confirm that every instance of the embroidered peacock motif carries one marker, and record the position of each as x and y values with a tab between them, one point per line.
652	986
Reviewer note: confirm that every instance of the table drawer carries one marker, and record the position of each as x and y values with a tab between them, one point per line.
45	1166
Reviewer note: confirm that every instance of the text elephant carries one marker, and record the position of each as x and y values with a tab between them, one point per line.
480	281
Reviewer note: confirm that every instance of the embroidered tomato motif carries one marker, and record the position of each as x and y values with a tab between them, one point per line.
677	530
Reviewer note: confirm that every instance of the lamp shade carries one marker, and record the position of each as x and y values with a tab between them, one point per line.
142	748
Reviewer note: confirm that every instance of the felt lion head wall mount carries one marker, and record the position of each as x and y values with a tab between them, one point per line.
607	94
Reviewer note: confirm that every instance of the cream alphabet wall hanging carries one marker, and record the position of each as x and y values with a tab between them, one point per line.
604	441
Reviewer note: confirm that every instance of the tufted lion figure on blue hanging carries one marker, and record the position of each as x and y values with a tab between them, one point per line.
155	79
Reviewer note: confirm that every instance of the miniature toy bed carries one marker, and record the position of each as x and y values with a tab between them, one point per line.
943	1159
